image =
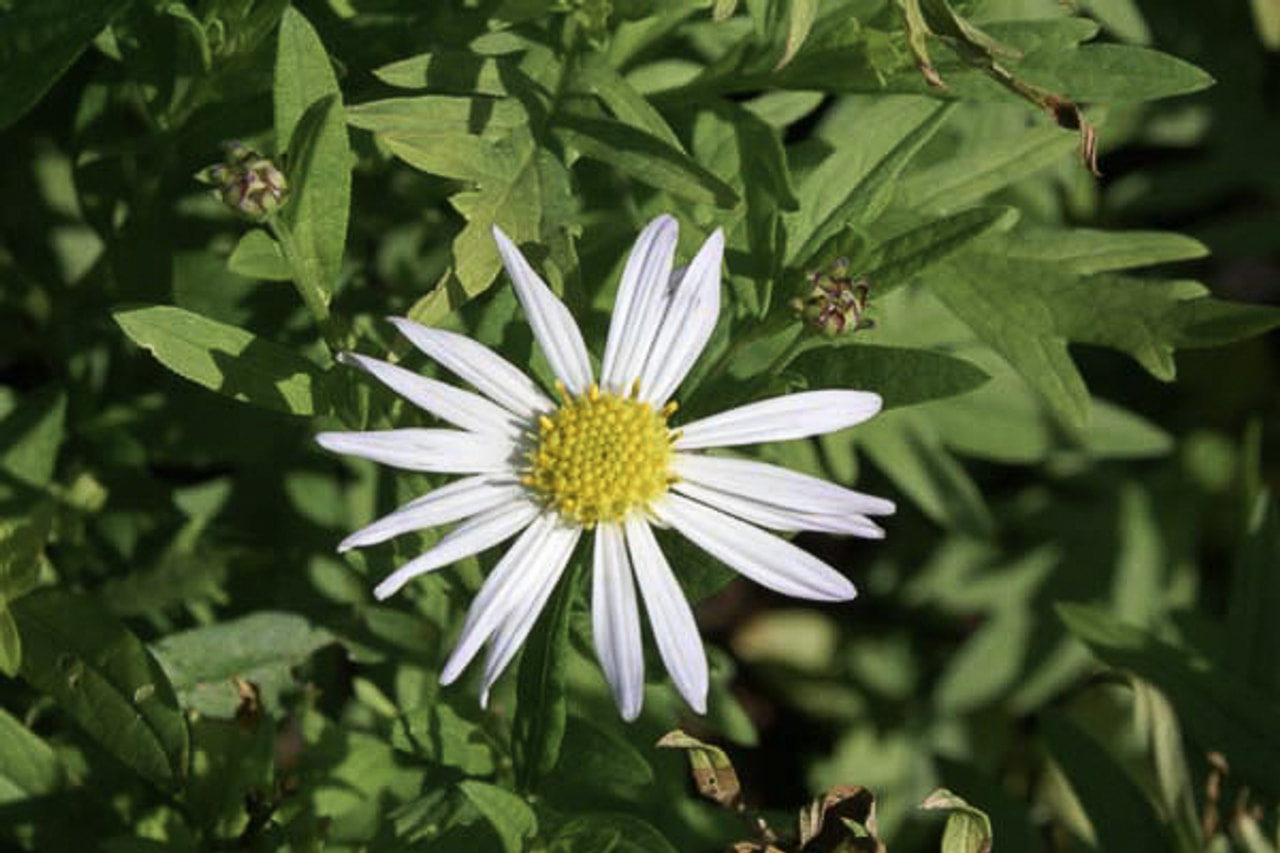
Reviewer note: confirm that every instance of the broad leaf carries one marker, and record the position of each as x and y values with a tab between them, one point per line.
203	664
510	816
1253	631
104	679
258	255
902	377
436	733
225	359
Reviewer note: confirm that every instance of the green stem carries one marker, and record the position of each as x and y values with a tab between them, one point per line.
307	281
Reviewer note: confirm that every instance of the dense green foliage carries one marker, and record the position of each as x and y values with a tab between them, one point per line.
1070	625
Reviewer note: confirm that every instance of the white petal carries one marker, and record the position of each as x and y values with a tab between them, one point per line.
615	622
780	518
674	629
490	373
474	535
775	485
513	630
642	296
551	321
460	408
443	451
781	418
444	505
687	324
763	557
513	579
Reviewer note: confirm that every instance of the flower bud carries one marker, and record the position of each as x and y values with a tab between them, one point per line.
246	182
835	302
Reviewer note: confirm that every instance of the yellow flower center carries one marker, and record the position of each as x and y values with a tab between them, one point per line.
599	456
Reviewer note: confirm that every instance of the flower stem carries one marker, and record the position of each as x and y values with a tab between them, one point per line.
307	281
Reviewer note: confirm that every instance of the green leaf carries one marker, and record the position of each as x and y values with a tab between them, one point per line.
537	731
966	179
1253	631
261	648
258	255
225	359
10	642
595	757
968	830
645	157
1111	74
868	198
436	733
901	376
1029	310
1086	251
39	42
28	766
104	679
310	124
303	75
31	434
909	451
624	101
509	815
800	16
614	833
987	665
900	258
1219	711
1122	816
516	185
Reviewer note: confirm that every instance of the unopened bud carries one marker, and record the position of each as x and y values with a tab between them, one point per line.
246	182
835	301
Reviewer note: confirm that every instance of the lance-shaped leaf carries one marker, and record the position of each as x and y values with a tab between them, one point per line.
968	830
511	817
1218	711
226	359
104	679
310	125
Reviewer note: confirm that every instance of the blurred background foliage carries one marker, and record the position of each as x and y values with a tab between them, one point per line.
1070	624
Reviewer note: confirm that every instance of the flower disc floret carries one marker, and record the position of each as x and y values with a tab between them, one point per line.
600	456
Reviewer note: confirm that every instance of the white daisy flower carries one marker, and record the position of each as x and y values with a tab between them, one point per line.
607	458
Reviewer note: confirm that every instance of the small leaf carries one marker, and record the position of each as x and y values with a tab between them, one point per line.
105	680
225	359
28	766
537	731
203	664
968	830
10	642
800	16
510	816
31	434
257	255
713	772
